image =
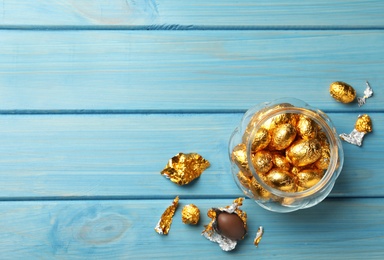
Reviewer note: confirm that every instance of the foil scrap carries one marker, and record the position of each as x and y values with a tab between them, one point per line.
165	221
368	92
259	235
211	233
184	168
363	126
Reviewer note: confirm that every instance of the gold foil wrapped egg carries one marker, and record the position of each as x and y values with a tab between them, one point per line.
239	156
258	191
281	180
262	161
325	158
308	178
342	92
306	128
281	162
261	140
304	152
244	180
282	136
363	124
190	214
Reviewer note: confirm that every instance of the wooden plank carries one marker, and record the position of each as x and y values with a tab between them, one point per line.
162	13
185	70
334	229
121	156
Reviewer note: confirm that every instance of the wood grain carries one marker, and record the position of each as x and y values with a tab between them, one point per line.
121	156
161	14
185	70
334	229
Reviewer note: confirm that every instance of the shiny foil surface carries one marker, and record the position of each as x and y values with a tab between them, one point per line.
190	214
164	224
184	168
342	92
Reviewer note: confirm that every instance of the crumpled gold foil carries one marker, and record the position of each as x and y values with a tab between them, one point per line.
184	168
342	92
165	221
211	231
190	214
363	126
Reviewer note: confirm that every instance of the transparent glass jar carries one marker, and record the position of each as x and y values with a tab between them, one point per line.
282	173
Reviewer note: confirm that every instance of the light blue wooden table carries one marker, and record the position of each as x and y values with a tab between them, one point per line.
96	96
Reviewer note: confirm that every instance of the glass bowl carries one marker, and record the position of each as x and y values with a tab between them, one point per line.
285	155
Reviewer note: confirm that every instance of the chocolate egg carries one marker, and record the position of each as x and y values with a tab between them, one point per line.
190	214
261	140
325	158
281	180
244	180
277	120
262	161
258	191
308	178
230	225
306	128
363	124
342	92
282	136
304	152
239	156
281	162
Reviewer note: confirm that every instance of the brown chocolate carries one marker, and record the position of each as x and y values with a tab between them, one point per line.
230	225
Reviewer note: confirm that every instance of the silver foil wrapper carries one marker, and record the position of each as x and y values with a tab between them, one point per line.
368	92
211	233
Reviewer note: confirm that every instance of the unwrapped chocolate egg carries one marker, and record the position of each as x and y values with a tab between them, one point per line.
342	92
308	178
281	180
231	226
304	152
306	128
262	161
282	136
261	140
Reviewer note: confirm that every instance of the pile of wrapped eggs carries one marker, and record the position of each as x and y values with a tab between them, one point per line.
289	152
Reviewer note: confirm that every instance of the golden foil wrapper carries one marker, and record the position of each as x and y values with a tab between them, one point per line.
211	231
281	180
282	136
190	214
165	221
259	235
308	178
261	140
184	168
239	156
262	161
304	152
342	92
281	162
280	119
363	126
306	128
